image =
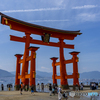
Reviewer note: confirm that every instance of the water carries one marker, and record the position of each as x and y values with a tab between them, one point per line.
6	89
46	88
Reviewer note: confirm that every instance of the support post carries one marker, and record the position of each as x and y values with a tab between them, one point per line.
32	66
25	63
75	68
64	82
54	70
17	81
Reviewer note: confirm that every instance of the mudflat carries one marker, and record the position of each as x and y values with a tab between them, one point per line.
15	95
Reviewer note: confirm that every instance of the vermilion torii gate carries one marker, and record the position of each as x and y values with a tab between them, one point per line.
29	29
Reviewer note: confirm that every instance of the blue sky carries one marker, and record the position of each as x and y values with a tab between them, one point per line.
72	15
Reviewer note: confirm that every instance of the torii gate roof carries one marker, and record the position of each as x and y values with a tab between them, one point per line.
26	27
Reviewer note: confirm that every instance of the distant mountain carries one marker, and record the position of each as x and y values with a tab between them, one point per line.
13	72
84	75
4	73
46	77
44	74
90	75
37	75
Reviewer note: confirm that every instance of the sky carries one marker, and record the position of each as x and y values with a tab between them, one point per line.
70	15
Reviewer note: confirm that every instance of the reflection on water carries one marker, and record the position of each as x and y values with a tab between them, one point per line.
46	89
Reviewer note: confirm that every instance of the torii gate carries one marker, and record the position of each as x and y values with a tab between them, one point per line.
29	29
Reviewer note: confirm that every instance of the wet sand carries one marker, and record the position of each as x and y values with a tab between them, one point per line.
15	95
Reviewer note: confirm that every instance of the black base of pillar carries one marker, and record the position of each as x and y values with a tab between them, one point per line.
65	86
55	84
76	87
17	87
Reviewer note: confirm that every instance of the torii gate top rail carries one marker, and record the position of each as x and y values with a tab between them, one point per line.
22	26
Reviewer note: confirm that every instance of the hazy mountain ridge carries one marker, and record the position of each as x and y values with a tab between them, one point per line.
4	73
90	75
84	75
40	74
45	77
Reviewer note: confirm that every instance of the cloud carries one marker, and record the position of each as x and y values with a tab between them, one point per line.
87	17
45	68
85	7
49	20
31	10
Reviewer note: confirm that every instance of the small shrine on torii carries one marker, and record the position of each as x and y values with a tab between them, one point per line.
45	33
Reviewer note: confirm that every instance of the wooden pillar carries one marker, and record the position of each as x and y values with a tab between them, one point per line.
75	68
54	70
25	63
64	82
32	65
17	81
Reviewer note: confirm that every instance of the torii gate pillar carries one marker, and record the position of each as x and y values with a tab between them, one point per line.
75	68
63	73
17	81
32	66
54	70
25	63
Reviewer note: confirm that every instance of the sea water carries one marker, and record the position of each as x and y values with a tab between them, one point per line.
46	88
